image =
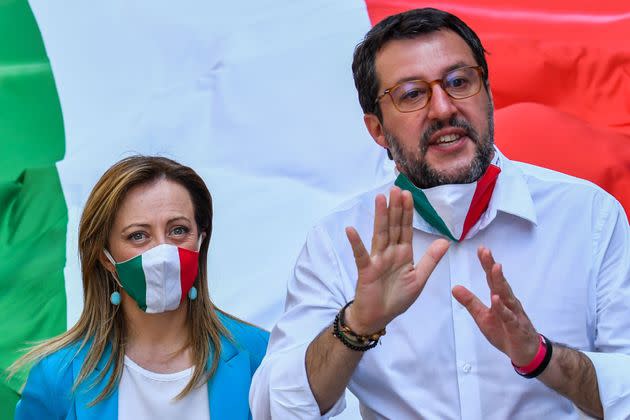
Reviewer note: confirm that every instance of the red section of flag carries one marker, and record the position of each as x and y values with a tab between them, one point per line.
481	198
189	268
560	79
547	137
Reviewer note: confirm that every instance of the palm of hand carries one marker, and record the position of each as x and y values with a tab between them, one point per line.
505	323
388	283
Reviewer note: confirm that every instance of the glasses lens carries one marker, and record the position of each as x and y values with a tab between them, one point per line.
410	96
462	83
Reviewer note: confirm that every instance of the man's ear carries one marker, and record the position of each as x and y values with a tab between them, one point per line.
375	128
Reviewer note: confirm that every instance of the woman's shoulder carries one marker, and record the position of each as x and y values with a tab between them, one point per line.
48	389
244	335
58	364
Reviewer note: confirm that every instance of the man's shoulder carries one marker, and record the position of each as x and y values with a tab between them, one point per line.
546	181
541	174
359	207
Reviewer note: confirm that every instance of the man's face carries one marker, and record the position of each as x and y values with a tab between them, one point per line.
450	140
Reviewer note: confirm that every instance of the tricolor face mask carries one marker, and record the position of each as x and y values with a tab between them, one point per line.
159	279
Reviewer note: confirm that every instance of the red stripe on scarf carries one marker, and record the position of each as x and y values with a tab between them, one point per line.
481	198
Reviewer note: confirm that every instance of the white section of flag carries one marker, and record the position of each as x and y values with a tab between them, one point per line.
256	96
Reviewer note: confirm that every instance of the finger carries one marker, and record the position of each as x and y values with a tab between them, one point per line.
380	238
502	312
488	264
361	256
472	303
430	259
486	260
395	215
503	289
406	234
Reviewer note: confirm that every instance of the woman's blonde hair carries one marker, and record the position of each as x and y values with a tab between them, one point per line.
100	322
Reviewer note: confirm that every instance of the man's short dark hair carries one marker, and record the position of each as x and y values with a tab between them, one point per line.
407	25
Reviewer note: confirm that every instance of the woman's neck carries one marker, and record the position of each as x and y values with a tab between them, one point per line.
157	342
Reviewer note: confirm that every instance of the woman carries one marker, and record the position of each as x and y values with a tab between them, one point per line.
149	342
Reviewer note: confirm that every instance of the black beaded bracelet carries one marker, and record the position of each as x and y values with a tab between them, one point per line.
349	338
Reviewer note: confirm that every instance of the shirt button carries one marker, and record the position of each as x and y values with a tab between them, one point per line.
466	367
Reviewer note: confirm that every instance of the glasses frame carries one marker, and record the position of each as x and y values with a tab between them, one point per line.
388	91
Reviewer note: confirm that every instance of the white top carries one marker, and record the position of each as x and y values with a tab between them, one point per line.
143	394
564	245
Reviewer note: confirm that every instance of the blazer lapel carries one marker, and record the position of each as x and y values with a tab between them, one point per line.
85	393
228	389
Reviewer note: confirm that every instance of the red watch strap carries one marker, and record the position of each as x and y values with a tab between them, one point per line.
533	365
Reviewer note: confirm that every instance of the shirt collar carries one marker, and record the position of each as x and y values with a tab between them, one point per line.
511	195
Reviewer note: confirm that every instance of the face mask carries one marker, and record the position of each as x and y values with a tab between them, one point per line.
454	208
160	278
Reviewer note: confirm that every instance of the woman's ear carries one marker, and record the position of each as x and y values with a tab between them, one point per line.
107	260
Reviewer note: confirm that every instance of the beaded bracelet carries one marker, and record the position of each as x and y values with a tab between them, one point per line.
540	362
351	339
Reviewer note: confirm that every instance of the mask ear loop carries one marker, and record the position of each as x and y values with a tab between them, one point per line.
200	240
109	257
192	293
115	297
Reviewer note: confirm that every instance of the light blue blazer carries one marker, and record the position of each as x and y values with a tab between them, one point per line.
48	391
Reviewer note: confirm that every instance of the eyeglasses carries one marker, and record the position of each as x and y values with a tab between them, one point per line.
413	95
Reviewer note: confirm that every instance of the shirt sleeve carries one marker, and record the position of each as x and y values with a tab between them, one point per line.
611	358
316	291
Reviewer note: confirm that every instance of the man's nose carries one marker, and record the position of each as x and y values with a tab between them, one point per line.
441	106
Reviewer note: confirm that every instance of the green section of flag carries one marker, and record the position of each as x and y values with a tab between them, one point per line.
33	222
9	398
31	126
132	269
33	213
423	207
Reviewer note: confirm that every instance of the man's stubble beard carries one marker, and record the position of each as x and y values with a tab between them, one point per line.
424	176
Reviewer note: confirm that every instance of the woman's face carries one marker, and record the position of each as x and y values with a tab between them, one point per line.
152	214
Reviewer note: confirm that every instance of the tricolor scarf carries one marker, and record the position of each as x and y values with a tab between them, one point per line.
158	279
454	208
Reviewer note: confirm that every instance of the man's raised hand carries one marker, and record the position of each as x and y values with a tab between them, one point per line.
505	323
388	282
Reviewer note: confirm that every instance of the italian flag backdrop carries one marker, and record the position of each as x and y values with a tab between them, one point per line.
258	97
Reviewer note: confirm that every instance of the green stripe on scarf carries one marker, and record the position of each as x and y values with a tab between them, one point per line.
423	207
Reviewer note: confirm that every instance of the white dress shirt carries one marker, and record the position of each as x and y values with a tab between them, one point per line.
564	246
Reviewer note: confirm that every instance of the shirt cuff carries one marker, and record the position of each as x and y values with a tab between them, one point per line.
290	392
613	379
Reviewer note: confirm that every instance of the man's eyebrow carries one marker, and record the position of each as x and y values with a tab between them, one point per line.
455	66
450	68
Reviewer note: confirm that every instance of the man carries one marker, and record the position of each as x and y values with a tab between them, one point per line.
423	84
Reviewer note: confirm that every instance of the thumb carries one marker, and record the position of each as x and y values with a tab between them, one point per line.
430	259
